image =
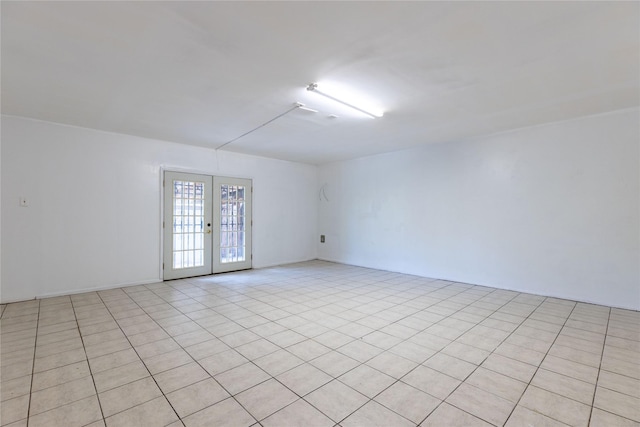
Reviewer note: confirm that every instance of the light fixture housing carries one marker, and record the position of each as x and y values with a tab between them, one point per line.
313	87
301	106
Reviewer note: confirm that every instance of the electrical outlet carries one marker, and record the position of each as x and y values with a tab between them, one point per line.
322	238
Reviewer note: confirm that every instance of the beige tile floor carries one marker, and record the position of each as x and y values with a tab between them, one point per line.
317	344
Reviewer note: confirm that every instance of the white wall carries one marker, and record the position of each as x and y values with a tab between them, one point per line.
552	210
93	219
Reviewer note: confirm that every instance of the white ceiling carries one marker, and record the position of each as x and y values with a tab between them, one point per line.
203	73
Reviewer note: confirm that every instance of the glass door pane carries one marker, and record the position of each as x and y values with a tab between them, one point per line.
187	225
232	217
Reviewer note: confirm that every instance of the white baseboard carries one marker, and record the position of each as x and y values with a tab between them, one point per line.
99	288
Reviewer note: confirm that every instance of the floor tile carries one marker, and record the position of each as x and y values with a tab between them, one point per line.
166	361
622	367
466	352
360	351
620	354
367	380
572	369
381	340
266	398
100	337
58	347
575	355
286	338
522	416
555	406
392	364
334	363
498	384
430	381
304	379
617	403
156	412
619	383
412	351
44	339
58	360
600	418
408	401
181	376
206	349
564	386
223	361
157	347
16	387
113	360
482	404
16	370
375	415
307	350
127	396
333	339
24	355
336	400
242	377
450	416
227	413
299	413
53	397
196	397
239	338
278	362
306	325
530	343
78	413
102	348
450	365
509	367
112	378
153	335
521	354
578	344
256	349
15	409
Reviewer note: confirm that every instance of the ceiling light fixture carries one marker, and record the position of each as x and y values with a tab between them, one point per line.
313	87
301	106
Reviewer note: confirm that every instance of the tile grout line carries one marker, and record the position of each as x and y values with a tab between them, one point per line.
369	399
449	284
33	365
192	358
299	397
245	328
241	301
538	368
141	361
419	364
84	348
284	348
479	365
595	389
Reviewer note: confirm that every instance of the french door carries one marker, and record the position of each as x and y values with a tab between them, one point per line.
207	224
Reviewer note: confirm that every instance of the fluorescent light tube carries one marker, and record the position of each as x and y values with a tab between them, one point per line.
301	106
313	87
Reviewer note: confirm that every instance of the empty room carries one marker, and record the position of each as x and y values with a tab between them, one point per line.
298	214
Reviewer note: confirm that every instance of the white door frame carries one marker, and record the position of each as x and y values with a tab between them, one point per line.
240	219
166	235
